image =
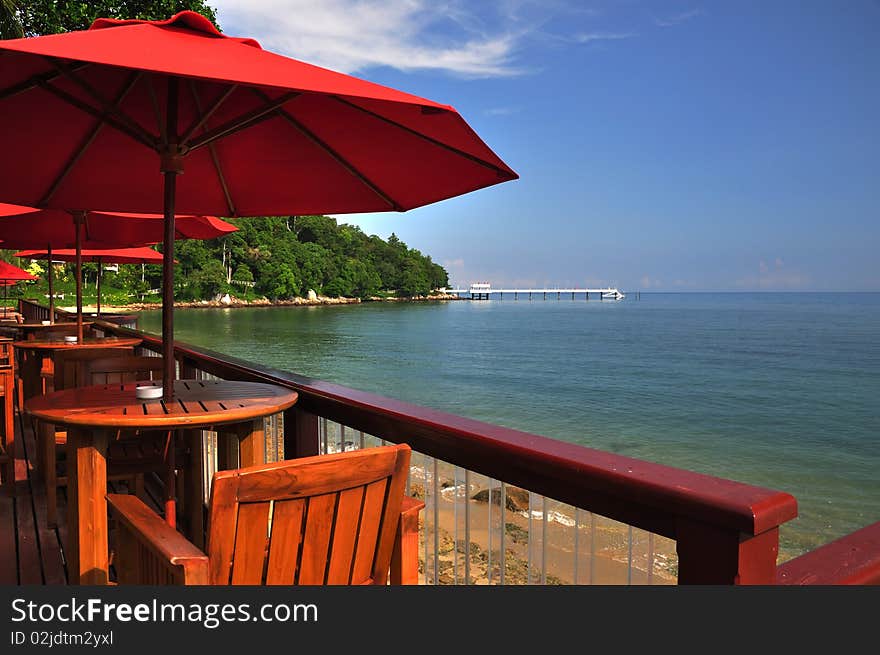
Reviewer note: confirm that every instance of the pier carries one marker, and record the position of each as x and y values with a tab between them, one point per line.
482	291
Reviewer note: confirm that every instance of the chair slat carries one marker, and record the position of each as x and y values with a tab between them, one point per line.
316	539
251	540
348	513
284	544
374	501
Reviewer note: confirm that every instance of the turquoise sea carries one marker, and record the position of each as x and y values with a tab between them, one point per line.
776	389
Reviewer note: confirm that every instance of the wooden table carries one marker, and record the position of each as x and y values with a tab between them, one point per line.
40	331
33	351
92	414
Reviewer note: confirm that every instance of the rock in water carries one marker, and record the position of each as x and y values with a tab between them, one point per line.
226	300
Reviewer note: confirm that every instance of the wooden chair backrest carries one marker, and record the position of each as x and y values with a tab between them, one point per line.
327	519
7	352
69	364
113	370
56	330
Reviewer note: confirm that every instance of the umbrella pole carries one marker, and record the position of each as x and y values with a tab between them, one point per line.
98	290
51	290
171	165
78	221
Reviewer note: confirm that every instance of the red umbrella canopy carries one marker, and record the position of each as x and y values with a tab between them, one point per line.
141	255
26	227
11	274
89	114
92	116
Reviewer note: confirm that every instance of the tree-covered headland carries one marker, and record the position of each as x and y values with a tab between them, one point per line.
276	258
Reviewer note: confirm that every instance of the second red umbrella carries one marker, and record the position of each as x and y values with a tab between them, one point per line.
141	255
26	227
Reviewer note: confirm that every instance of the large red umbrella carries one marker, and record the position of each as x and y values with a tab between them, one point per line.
26	227
93	116
141	255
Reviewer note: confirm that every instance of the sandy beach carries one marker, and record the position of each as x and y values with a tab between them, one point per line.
581	548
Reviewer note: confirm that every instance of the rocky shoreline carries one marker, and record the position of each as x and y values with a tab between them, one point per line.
313	300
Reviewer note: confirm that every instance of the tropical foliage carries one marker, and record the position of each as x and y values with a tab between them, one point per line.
277	258
36	17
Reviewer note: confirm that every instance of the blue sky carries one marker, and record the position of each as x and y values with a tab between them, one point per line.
673	146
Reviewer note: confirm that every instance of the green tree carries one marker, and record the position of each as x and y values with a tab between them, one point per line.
10	25
209	280
37	17
413	282
243	274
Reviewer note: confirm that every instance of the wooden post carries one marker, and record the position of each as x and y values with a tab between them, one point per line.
87	506
171	165
709	555
194	493
78	220
51	289
300	434
98	290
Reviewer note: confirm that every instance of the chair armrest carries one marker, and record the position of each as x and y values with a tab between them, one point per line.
405	556
151	552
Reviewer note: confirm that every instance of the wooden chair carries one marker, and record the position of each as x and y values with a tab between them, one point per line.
7	391
56	331
338	519
129	456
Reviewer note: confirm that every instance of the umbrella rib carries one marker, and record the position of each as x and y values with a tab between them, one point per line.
80	151
35	81
482	162
351	168
163	135
214	156
118	113
203	118
240	123
109	120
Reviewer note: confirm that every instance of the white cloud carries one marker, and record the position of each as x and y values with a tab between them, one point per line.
775	278
647	282
678	18
603	36
501	111
353	35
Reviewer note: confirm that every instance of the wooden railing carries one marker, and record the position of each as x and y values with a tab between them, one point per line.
725	532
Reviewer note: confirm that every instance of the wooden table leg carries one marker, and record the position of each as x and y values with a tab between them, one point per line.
248	438
87	508
194	492
251	442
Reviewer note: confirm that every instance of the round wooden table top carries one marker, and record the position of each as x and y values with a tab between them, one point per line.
58	325
87	342
196	403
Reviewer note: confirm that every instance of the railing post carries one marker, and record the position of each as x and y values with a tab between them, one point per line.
187	368
713	556
300	434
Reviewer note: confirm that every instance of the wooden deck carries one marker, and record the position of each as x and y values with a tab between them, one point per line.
33	553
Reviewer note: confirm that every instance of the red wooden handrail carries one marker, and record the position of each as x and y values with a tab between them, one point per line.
850	560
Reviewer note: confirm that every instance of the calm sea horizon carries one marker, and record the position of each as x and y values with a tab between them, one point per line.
774	389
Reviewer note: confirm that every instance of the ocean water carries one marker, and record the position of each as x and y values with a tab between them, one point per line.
775	389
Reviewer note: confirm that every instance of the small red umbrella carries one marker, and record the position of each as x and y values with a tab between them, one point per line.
141	255
26	227
113	116
31	228
11	274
